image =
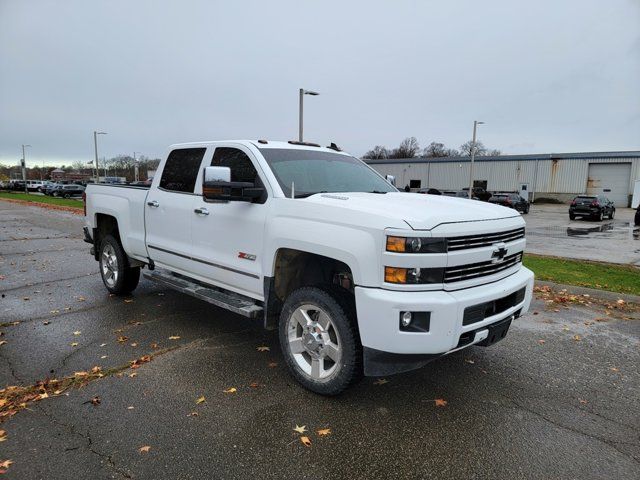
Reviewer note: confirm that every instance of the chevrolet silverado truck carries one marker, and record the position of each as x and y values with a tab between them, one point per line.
357	277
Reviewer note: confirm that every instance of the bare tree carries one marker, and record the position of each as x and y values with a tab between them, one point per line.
378	152
494	152
436	149
465	149
408	148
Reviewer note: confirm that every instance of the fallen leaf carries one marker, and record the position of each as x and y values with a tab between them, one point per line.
584	402
144	449
95	401
193	414
103	357
74	344
323	431
46	323
80	374
541	342
254	384
273	364
174	337
300	429
155	345
103	344
134	374
577	338
128	300
5	465
134	344
620	302
3	342
468	360
122	339
231	390
306	441
77	332
130	408
614	369
381	381
3	435
263	348
200	400
440	402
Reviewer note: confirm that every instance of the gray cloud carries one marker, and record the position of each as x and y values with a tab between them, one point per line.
545	76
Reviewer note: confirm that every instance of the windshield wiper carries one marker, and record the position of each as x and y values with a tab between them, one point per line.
307	194
377	191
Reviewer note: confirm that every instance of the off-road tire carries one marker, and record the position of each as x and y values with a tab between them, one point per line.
339	305
127	277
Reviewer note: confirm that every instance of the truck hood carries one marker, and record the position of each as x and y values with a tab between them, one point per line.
419	211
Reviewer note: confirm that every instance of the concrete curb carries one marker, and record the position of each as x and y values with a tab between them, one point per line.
592	292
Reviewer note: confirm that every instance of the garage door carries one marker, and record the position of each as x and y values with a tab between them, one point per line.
610	180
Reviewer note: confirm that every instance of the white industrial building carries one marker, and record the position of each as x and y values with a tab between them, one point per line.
559	176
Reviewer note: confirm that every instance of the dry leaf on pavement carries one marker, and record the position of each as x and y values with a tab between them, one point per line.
300	429
440	402
323	432
174	337
144	449
263	348
231	390
200	400
381	381
306	441
3	435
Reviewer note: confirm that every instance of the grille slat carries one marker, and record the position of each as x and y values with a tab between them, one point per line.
481	269
486	239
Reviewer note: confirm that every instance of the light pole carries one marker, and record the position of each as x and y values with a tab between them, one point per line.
473	156
24	168
95	148
135	167
303	92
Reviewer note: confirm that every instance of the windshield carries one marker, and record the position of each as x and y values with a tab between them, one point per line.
318	172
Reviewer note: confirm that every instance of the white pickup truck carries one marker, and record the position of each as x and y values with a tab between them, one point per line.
357	277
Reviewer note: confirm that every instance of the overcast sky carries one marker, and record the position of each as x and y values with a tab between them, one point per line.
545	75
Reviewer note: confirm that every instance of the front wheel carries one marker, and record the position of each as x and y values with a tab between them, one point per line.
117	275
319	340
612	214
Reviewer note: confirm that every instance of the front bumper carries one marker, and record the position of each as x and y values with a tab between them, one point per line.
384	342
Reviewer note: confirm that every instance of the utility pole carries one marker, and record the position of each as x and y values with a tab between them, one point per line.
95	148
24	168
303	92
136	170
473	155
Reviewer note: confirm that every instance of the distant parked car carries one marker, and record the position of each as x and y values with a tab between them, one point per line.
511	200
67	191
636	220
593	206
449	193
48	189
430	191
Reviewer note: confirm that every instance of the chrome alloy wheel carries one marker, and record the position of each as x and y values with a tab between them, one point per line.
109	264
314	342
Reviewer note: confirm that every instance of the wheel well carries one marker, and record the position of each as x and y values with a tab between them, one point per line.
294	269
105	225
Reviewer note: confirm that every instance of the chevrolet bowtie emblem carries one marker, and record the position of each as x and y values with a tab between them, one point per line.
498	254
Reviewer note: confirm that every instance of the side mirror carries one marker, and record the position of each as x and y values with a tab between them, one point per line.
391	179
217	185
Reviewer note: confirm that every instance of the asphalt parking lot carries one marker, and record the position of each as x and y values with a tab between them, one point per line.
558	398
550	232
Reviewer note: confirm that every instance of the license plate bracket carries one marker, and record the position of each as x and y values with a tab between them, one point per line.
497	332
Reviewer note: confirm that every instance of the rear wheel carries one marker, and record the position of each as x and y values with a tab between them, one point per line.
319	340
117	275
600	216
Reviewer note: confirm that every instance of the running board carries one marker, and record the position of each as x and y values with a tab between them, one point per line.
230	301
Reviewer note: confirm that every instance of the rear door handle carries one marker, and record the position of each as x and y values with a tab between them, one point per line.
201	211
153	203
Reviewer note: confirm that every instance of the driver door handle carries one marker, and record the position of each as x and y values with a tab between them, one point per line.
153	203
201	211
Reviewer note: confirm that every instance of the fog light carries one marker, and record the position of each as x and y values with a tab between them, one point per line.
405	319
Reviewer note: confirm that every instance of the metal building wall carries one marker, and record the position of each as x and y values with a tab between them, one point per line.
544	176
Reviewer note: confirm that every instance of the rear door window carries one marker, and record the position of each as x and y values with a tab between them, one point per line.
181	170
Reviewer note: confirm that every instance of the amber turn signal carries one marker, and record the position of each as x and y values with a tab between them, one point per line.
396	244
395	275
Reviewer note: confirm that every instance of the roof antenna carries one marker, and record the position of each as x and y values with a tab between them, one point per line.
293	190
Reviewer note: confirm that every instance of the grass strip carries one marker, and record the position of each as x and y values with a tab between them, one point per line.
31	198
599	275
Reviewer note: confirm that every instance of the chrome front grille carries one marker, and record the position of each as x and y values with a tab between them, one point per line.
470	271
483	240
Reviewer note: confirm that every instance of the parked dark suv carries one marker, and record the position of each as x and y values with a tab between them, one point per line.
512	200
593	206
67	191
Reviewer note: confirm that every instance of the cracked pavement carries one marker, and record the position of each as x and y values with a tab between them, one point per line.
520	409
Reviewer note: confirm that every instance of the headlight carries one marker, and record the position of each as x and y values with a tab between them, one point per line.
413	276
416	245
